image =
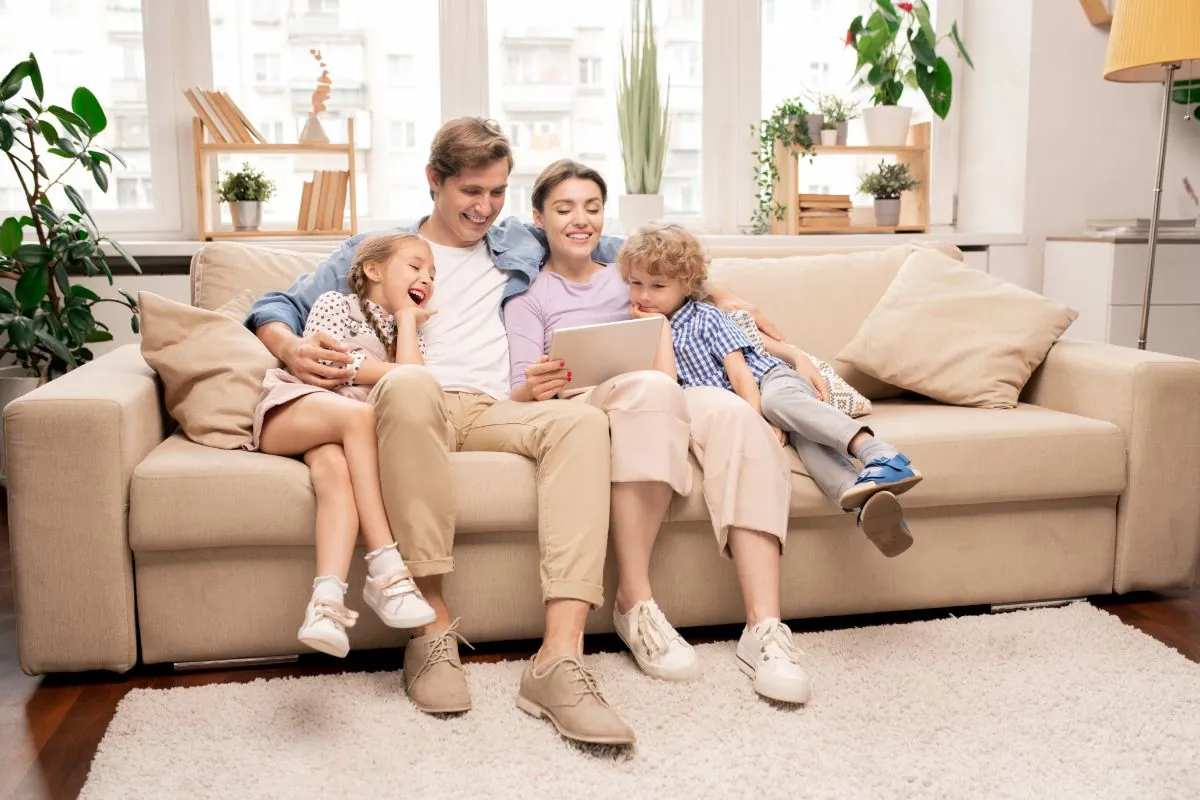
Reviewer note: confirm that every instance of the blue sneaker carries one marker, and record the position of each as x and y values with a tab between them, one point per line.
882	520
891	474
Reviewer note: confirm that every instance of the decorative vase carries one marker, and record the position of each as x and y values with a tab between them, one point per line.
814	122
843	132
14	382
829	137
313	133
635	210
246	214
887	126
887	212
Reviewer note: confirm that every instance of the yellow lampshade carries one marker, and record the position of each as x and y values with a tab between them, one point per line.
1146	34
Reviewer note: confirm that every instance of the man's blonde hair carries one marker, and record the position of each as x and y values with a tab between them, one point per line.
667	249
467	143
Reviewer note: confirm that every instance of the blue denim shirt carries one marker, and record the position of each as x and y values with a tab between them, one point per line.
517	248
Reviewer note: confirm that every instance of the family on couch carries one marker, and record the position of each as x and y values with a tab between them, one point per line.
405	346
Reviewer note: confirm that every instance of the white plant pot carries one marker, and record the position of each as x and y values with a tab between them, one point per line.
887	212
829	138
887	126
246	214
14	382
635	210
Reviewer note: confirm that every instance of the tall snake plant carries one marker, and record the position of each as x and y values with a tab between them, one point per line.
641	118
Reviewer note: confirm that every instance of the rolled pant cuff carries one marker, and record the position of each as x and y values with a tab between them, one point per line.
591	593
434	566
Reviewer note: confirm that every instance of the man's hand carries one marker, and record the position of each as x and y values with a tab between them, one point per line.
780	435
808	370
303	357
730	303
545	378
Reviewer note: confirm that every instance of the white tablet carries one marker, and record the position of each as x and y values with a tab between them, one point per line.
595	353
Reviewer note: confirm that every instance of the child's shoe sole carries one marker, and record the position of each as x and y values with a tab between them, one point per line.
882	520
857	496
336	649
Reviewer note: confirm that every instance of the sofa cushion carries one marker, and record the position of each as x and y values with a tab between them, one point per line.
185	496
956	334
976	455
221	270
211	367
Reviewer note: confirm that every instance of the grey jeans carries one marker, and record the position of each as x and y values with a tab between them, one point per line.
820	433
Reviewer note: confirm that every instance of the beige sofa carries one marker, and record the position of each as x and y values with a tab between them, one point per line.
132	543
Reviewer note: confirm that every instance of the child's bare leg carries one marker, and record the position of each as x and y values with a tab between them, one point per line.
337	517
756	557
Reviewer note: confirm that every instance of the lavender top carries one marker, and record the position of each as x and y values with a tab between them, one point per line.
553	302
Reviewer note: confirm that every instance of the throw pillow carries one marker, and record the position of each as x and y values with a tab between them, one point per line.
211	366
956	334
842	396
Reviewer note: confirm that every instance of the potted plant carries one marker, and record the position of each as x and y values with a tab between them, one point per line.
897	46
46	320
885	184
829	132
840	112
245	191
787	125
641	122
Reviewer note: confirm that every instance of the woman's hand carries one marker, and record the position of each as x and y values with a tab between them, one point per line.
545	378
303	358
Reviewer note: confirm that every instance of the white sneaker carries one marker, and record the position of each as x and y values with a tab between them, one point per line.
397	601
656	646
324	628
768	655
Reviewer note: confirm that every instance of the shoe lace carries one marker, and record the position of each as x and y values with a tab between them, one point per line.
332	610
589	684
651	628
396	584
439	649
778	643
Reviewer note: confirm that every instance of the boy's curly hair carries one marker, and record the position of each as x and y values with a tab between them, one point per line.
666	248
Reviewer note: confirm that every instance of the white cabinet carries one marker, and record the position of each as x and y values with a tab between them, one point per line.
1104	279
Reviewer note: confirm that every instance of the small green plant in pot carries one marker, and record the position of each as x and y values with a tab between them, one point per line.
788	126
886	184
641	122
839	112
245	191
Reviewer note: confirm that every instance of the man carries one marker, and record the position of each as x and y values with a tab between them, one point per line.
464	387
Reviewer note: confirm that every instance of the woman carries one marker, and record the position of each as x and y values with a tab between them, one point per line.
652	423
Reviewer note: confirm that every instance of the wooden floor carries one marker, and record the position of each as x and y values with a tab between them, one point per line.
50	726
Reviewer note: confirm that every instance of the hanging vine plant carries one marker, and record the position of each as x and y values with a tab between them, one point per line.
787	126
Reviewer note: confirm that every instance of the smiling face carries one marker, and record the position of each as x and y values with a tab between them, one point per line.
405	279
655	294
467	203
573	218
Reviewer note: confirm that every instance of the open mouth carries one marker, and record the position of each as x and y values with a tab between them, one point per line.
417	295
579	236
474	220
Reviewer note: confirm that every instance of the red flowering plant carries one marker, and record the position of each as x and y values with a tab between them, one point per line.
897	47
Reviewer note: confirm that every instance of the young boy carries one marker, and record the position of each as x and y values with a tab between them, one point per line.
710	350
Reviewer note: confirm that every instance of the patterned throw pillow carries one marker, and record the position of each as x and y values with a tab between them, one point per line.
842	395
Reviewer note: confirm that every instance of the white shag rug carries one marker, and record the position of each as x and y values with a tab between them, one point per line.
1064	702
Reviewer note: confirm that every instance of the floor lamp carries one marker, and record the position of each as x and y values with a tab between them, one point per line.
1150	41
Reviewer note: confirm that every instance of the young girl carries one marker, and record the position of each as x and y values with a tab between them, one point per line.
711	350
391	281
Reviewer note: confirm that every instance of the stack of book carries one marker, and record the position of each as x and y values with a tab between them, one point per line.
824	210
323	201
226	123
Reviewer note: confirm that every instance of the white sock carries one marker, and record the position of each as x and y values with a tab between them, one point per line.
384	561
330	588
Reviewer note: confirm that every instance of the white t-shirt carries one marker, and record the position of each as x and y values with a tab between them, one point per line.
466	347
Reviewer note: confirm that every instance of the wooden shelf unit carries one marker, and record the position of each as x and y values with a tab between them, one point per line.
914	206
206	152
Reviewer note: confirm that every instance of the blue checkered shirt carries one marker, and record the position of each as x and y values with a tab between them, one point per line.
703	335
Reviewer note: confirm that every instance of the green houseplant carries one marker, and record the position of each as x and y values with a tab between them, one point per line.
886	184
838	111
641	121
245	191
897	47
46	321
788	126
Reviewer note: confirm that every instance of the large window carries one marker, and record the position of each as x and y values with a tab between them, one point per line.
549	91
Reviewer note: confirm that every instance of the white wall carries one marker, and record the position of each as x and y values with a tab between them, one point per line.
1090	146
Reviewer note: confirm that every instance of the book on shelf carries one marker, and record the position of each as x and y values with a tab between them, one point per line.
225	121
825	222
323	201
824	198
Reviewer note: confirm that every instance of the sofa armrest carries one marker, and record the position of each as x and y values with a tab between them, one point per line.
71	446
1152	398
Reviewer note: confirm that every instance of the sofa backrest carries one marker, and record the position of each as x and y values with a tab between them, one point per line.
818	296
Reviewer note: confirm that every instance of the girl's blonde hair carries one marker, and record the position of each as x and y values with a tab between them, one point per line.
379	248
667	249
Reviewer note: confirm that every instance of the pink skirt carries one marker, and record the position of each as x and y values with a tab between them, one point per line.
280	387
